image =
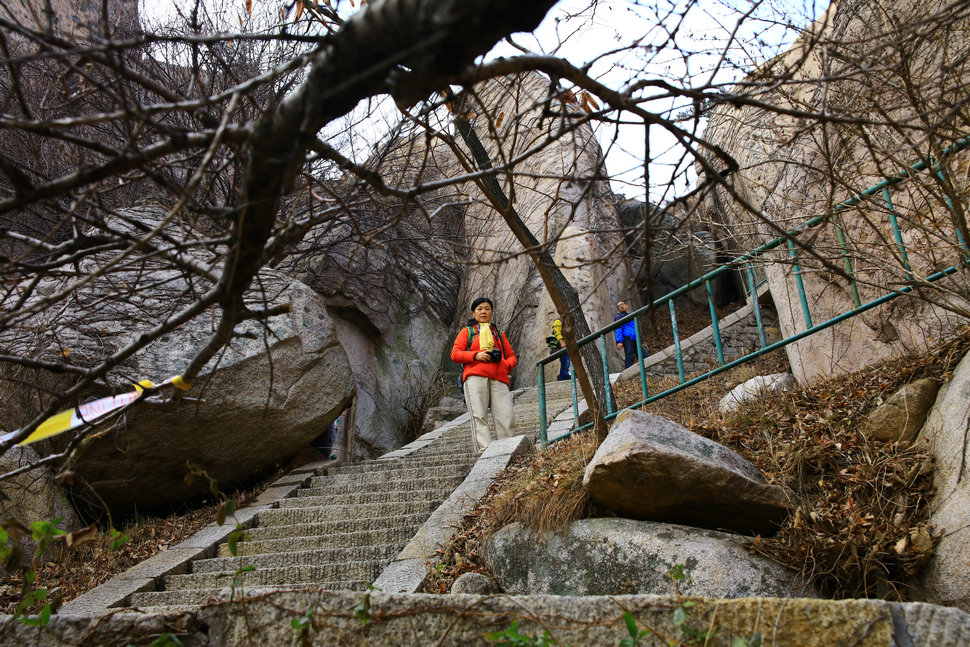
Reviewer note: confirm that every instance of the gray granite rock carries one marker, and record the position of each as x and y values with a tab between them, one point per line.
612	556
653	469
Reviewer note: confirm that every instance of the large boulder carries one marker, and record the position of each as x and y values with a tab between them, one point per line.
623	556
946	579
653	469
265	399
678	254
792	168
278	385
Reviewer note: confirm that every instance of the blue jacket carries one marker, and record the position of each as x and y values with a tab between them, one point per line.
626	331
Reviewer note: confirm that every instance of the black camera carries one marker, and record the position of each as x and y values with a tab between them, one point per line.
494	355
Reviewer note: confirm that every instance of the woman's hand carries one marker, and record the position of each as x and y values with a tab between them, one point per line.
482	356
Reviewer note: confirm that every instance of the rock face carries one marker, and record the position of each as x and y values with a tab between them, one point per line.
653	469
792	169
678	254
274	390
390	281
75	20
754	388
441	414
946	579
623	556
900	417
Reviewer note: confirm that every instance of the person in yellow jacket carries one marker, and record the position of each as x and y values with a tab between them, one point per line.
560	343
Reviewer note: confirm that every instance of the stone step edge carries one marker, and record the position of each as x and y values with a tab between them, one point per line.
408	571
176	559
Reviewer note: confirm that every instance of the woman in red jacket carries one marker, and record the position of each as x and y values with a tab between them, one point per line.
487	359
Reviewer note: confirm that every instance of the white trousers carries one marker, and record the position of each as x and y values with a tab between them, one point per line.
482	393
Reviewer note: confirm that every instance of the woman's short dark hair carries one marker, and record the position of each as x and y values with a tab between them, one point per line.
479	301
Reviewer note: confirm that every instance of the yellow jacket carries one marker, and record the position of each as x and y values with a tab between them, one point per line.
557	329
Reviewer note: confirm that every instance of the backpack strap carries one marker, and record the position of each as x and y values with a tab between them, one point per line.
497	336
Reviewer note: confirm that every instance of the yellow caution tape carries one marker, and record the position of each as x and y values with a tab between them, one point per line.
51	427
144	384
90	411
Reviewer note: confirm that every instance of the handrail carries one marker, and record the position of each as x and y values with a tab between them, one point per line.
745	262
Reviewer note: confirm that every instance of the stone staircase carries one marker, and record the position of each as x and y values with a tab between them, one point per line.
338	528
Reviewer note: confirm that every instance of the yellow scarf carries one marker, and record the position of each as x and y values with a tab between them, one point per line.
485	340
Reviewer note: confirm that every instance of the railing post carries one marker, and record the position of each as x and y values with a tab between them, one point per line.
798	282
949	205
847	261
897	234
572	379
606	379
718	346
677	351
543	431
756	305
643	373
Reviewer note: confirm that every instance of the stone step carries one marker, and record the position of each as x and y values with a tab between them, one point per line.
306	574
460	449
290	516
266	532
281	559
364	498
161	601
363	478
393	464
393	485
293	541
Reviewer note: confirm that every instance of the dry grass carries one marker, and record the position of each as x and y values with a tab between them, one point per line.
860	528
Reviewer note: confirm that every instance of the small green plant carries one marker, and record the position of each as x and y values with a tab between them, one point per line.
237	580
694	637
33	600
118	539
304	623
237	535
635	632
753	641
42	532
166	640
511	637
362	609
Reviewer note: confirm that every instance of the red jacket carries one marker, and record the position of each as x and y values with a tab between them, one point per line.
495	370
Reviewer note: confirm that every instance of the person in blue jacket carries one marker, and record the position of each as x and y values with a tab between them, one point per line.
626	336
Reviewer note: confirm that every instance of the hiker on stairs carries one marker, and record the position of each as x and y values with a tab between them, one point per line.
487	358
555	342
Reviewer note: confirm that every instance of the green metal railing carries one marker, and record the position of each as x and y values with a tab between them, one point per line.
745	265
